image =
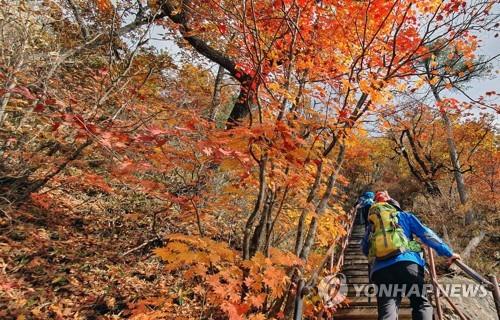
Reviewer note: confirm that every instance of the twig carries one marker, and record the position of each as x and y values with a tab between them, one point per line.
140	246
6	214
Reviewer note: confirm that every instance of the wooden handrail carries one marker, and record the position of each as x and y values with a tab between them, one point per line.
473	274
490	285
331	252
447	298
340	261
304	287
433	275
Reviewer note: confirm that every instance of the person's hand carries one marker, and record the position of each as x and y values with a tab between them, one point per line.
452	259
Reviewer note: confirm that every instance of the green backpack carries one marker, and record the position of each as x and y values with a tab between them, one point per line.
387	238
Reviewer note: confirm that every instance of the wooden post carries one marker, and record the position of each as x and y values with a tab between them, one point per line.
332	256
434	280
460	314
299	301
496	293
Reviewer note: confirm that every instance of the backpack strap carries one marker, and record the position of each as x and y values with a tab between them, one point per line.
379	216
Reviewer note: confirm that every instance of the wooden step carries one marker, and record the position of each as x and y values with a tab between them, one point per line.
351	261
355	261
354	272
369	301
354	250
350	302
355	241
354	247
358	232
359	260
361	313
353	255
357	279
356	244
359	267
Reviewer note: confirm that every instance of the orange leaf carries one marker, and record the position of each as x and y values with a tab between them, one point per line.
104	5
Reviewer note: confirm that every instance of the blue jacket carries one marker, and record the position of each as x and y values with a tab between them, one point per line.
411	226
366	199
364	203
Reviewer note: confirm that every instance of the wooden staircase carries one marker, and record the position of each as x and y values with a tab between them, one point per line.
356	270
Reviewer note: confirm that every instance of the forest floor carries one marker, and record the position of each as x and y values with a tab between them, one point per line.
82	257
68	262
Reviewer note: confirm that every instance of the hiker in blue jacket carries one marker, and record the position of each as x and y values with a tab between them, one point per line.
404	269
364	203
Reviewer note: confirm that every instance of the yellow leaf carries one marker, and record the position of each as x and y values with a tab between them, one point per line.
434	80
345	84
258	316
419	83
273	86
364	85
402	86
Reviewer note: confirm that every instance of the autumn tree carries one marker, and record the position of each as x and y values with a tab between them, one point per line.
251	205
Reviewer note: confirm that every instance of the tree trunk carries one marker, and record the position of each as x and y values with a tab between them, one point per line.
452	149
320	208
260	230
459	178
299	241
258	206
217	93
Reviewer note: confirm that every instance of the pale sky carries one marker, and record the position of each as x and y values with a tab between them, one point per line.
489	47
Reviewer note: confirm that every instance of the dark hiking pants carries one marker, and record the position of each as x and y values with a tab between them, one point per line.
402	278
